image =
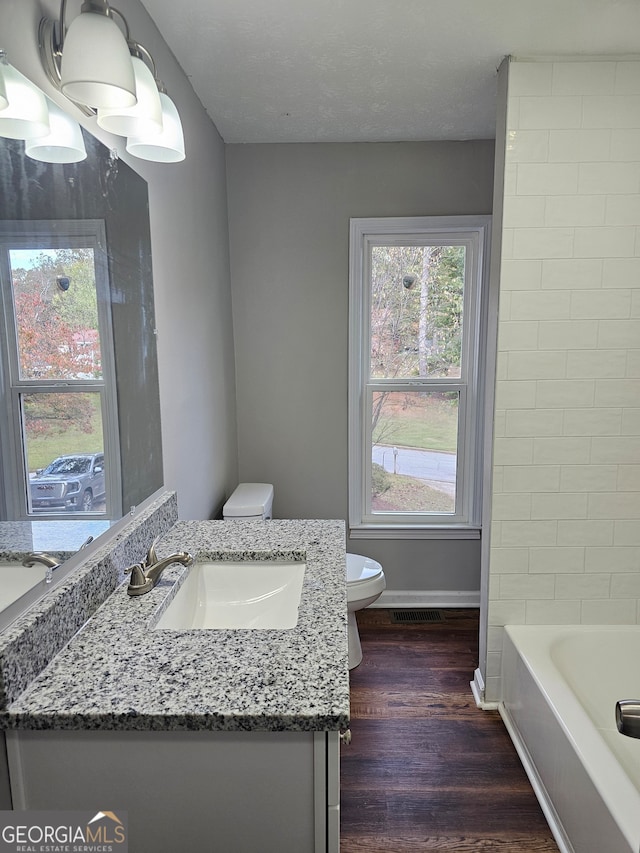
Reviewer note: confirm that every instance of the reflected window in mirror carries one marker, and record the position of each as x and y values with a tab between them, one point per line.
58	368
104	188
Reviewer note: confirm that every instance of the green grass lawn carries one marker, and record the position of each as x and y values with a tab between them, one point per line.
44	449
427	423
64	438
406	494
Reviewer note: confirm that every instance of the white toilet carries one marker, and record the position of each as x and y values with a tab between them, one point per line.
250	500
365	578
365	584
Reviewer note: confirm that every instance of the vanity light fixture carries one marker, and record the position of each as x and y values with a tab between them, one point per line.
97	65
25	114
143	118
64	144
48	132
91	57
165	147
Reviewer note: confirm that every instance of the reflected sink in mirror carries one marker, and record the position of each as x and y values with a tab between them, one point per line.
245	594
16	580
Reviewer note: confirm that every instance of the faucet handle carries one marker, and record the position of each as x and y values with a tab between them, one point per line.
151	557
138	577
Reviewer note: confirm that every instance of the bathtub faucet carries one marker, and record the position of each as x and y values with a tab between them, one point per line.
628	717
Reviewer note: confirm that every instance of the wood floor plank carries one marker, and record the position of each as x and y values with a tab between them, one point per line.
426	769
511	843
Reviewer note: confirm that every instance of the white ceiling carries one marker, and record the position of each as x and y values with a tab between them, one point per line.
373	70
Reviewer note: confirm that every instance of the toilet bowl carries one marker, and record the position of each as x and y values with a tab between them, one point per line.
365	584
365	578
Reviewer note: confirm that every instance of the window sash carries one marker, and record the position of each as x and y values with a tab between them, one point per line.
470	245
461	511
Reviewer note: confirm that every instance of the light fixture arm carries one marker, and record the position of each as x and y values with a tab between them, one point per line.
142	53
113	11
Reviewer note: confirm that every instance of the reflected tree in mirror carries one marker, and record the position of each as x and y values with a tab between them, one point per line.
56	313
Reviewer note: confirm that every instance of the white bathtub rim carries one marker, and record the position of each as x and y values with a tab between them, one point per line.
614	786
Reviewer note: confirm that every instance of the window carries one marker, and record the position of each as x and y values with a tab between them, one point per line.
59	437
415	374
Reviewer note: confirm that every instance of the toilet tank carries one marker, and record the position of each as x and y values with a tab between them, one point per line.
249	500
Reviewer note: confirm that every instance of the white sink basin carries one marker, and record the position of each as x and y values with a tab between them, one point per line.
243	594
16	579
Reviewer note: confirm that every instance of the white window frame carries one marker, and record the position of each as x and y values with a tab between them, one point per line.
474	232
45	234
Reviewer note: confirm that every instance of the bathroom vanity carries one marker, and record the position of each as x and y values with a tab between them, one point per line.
210	739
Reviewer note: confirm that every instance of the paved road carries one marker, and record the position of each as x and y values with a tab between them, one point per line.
423	464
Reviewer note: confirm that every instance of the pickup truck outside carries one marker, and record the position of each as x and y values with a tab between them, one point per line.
71	483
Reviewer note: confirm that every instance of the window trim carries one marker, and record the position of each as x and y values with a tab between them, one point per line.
451	230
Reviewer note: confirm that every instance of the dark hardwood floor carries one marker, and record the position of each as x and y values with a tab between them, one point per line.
426	769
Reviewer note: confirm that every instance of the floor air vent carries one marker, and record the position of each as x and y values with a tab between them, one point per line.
416	616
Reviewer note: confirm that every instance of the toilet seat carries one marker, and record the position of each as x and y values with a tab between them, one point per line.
365	581
361	570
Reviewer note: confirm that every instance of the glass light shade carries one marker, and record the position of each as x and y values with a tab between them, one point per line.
96	63
143	118
26	115
165	147
63	145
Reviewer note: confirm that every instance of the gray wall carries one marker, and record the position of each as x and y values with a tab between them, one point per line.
188	217
289	210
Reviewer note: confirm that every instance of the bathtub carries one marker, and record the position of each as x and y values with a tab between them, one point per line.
560	685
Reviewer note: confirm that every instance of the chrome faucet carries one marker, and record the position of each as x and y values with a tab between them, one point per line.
50	562
628	717
145	575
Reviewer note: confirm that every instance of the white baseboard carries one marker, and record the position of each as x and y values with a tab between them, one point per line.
477	688
428	598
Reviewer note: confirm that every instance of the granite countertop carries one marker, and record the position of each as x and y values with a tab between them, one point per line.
58	538
118	673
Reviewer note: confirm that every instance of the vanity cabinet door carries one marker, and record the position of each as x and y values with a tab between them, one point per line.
327	791
205	791
5	786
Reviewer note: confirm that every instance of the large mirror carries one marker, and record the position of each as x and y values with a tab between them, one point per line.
78	369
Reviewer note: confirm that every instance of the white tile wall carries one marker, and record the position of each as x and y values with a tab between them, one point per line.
565	538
